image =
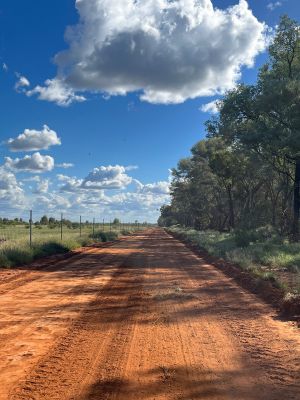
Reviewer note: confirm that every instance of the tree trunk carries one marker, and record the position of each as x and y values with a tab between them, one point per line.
231	210
295	228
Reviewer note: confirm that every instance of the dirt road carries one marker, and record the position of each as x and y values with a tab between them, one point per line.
143	319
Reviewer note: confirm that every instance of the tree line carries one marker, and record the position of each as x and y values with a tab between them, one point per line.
246	172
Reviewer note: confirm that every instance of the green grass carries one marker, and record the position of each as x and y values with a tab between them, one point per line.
260	252
15	249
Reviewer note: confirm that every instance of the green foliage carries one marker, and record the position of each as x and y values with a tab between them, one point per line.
48	248
126	232
246	173
14	241
243	238
18	256
110	236
263	256
104	236
4	261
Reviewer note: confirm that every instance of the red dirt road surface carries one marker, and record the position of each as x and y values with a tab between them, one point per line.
144	319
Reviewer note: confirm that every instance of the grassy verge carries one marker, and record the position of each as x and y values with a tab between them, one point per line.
260	253
20	253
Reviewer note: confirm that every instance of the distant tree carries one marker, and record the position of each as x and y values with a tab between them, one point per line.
116	221
52	221
168	217
44	220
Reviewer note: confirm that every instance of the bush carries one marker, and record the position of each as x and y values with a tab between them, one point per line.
243	238
4	261
126	232
18	256
48	248
104	236
110	236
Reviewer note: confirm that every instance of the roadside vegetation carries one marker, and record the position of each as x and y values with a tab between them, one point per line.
15	247
260	252
238	194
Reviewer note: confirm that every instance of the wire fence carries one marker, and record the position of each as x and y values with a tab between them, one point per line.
63	227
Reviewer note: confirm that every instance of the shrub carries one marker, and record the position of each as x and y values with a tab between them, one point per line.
110	236
4	261
243	238
104	236
48	248
126	232
18	256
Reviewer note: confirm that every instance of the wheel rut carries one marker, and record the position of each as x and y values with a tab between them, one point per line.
165	325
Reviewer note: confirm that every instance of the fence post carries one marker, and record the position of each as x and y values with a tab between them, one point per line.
80	226
109	225
93	227
61	226
103	225
30	228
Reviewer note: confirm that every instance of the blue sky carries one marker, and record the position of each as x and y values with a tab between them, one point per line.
112	126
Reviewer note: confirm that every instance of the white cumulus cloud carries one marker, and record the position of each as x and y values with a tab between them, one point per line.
70	184
107	177
11	192
211	107
57	91
168	51
157	188
34	163
42	186
32	140
51	203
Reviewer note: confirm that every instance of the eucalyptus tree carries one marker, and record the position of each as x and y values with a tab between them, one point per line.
265	117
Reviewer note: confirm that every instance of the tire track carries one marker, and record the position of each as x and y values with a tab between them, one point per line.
168	326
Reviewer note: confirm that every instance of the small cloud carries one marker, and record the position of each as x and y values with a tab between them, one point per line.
4	67
131	106
33	140
21	84
211	107
131	167
273	5
65	165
